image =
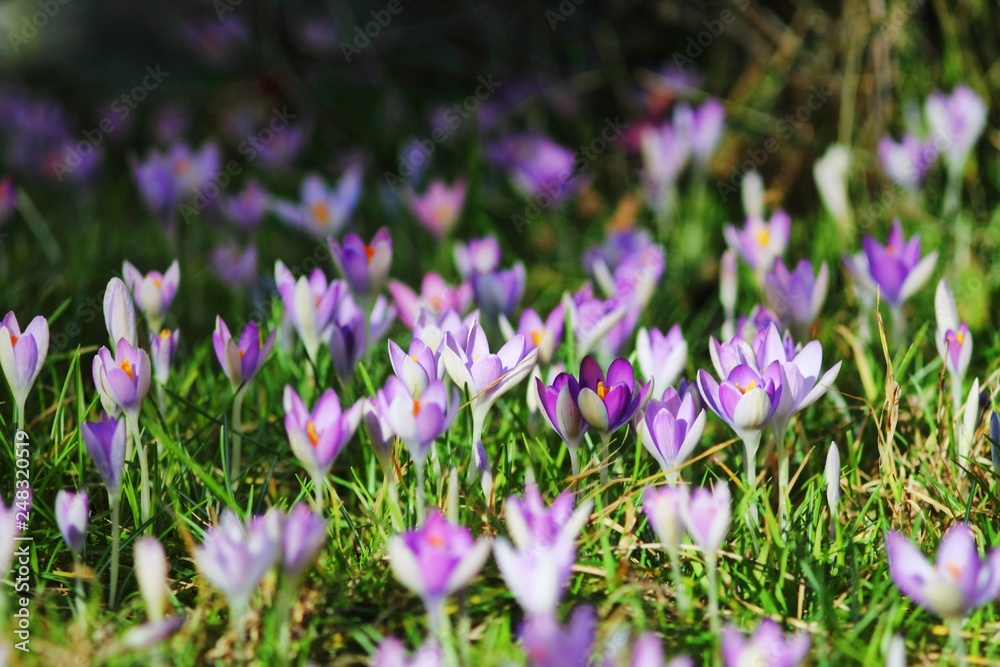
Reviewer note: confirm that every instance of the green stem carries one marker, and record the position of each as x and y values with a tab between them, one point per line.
711	577
132	425
605	455
19	415
783	490
956	396
319	487
750	447
420	492
957	643
116	537
392	493
679	594
285	598
236	426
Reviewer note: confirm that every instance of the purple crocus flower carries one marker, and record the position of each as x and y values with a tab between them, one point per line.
310	304
234	265
759	319
665	153
533	525
954	342
151	570
768	647
958	582
392	653
439	207
702	127
477	257
119	313
995	441
248	207
72	514
436	297
436	560
592	319
796	297
235	559
547	644
105	440
317	437
648	652
22	355
609	402
536	165
346	337
560	404
163	346
364	266
896	267
302	538
906	163
543	334
661	357
957	120
122	379
241	360
499	292
153	292
670	430
153	633
323	211
664	507
417	420
416	368
432	329
707	516
760	242
379	432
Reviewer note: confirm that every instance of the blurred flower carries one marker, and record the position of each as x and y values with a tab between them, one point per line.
545	335
478	256
392	653
767	648
235	266
302	538
592	319
670	430
72	514
664	507
317	437
163	346
661	357
896	655
547	644
432	328
830	172
536	165
365	267
953	586
152	634
123	379
435	560
702	127
235	559
22	355
247	208
796	296
165	179
648	652
831	475
498	293
151	572
954	342
119	313
105	440
439	208
323	211
379	432
958	120
896	268
760	242
665	153
707	516
436	296
416	368
309	304
154	292
906	163
241	360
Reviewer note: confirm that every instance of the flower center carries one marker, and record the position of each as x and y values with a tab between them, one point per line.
165	334
763	237
157	282
960	337
127	367
744	390
320	213
436	303
954	570
416	407
242	352
13	340
436	541
312	434
182	166
536	336
369	253
602	390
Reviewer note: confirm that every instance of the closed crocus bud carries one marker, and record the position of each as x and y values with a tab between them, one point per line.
302	539
235	559
151	572
957	121
832	477
752	195
72	513
163	346
665	508
707	516
105	440
240	360
439	207
364	266
830	172
728	285
895	656
661	357
22	355
153	292
995	441
954	342
966	431
670	430
119	313
768	647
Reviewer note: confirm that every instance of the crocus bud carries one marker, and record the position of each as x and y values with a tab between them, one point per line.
163	346
119	313
896	655
302	539
151	571
105	440
830	172
752	194
71	515
970	418
832	477
153	292
22	355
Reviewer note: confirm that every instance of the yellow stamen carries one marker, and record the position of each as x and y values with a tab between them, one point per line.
763	237
602	390
165	334
960	337
127	367
313	435
156	281
321	213
744	390
536	336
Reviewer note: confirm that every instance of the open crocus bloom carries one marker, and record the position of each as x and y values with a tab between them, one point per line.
907	162
318	437
432	328
957	120
797	296
415	369
498	292
549	644
417	420
22	354
760	242
545	335
302	536
364	266
661	356
745	399
438	208
896	267
767	648
436	296
309	304
153	292
591	318
958	582
436	560
235	560
954	342
609	402
670	430
323	211
122	379
478	256
240	360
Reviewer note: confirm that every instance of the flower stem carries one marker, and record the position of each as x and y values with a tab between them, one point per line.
420	492
783	490
236	426
750	446
605	456
679	594
574	459
711	577
392	493
956	396
116	537
957	643
319	487
132	425
19	415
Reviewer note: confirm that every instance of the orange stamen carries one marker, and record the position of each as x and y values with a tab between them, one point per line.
313	435
127	367
369	253
13	340
602	390
744	390
321	213
416	407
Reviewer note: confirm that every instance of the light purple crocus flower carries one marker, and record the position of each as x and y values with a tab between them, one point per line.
416	368
536	165
607	402
235	559
543	334
163	346
438	208
235	266
548	644
153	633
379	432
436	296
72	514
322	210
767	648
562	411
119	313
648	652
797	296
661	357
248	207
957	121
958	582
105	440
896	267
317	437
477	257
364	266
122	379
302	538
22	355
591	319
241	360
417	420
906	163
670	430
499	292
702	127
954	342
665	152
347	337
392	653
760	242
310	304
435	560
707	515
665	508
153	292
